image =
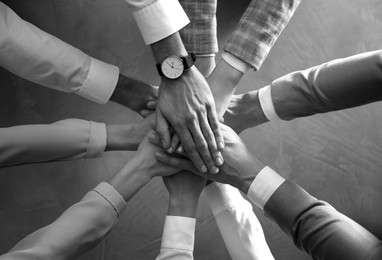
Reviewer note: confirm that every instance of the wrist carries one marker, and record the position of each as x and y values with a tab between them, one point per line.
123	137
254	114
248	176
118	92
223	82
129	180
171	45
184	206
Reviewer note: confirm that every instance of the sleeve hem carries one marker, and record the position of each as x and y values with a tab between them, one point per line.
100	82
266	103
111	195
264	185
178	233
97	140
160	20
235	62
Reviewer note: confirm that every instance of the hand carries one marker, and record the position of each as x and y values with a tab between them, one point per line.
187	104
136	95
184	189
239	168
244	111
205	65
140	169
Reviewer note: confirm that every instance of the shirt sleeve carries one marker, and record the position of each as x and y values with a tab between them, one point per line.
44	59
258	29
335	85
63	140
158	19
200	35
78	229
315	226
177	239
240	229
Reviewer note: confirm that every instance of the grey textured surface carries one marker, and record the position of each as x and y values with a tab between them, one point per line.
336	157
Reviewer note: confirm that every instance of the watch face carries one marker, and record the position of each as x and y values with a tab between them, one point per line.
172	67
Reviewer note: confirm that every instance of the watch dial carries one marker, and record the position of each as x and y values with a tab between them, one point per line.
172	67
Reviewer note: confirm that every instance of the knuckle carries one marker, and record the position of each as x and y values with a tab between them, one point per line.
190	118
202	147
190	148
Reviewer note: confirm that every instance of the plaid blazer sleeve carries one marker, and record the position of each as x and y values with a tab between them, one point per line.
259	28
200	35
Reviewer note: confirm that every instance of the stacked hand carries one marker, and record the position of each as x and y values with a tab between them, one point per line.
239	168
187	105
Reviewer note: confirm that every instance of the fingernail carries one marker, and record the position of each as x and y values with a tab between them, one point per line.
169	150
219	161
164	144
221	145
157	154
151	135
203	169
180	149
214	170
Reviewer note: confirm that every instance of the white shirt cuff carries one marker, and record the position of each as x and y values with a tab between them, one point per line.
160	19
111	195
178	233
263	186
235	62
266	103
100	82
224	197
97	140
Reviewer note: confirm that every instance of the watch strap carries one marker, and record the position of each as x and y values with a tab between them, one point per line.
188	61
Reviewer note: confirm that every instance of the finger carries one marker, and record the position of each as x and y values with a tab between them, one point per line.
210	138
145	113
215	126
174	143
154	138
176	162
152	104
153	123
202	147
162	129
190	148
180	150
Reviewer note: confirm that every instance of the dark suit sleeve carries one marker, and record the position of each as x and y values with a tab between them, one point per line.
335	85
317	228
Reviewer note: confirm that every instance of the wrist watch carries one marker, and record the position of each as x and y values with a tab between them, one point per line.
173	66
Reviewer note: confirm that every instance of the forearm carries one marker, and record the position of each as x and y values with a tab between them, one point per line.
63	140
261	25
317	228
336	85
240	229
77	230
125	137
200	35
44	59
223	82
